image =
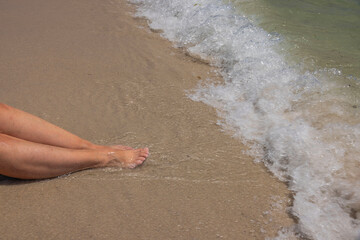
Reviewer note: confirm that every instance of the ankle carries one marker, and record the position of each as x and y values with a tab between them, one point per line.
105	158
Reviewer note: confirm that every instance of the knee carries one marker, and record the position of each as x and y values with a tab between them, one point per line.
5	112
4	108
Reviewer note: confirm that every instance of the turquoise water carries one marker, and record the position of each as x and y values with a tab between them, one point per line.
316	34
319	33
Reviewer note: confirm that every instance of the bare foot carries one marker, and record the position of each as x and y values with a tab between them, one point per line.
127	158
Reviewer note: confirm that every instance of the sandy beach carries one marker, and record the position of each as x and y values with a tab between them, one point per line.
90	67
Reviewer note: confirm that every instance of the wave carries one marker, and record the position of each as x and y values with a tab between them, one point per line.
302	125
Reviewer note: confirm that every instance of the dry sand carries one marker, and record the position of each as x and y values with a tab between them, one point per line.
91	68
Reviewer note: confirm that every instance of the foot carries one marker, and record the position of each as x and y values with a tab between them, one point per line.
127	158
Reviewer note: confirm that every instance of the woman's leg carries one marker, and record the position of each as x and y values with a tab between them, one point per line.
25	126
28	160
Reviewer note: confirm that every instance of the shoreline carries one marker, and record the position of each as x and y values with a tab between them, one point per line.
96	71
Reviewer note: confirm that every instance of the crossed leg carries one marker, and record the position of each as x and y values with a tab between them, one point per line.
31	148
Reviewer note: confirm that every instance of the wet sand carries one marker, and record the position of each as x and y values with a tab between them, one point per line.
91	68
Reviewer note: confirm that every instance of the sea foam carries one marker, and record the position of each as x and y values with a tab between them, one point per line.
301	125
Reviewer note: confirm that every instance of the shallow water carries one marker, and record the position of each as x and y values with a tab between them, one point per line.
298	113
320	33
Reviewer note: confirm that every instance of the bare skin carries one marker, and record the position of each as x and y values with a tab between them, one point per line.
31	148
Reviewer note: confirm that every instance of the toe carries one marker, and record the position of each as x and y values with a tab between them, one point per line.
144	152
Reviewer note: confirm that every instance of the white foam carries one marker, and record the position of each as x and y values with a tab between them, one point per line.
294	121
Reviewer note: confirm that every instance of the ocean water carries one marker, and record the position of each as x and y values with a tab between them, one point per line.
323	33
290	93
